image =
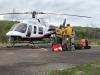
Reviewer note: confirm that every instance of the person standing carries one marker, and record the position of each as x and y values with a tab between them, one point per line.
68	32
59	34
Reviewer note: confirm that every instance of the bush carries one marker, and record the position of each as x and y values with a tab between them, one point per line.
4	28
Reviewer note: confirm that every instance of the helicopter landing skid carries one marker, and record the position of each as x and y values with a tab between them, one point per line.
16	44
32	44
23	46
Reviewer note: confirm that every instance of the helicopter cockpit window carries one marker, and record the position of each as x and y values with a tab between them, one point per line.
40	30
13	27
21	28
35	29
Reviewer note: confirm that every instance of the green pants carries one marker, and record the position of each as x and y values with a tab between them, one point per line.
59	40
54	40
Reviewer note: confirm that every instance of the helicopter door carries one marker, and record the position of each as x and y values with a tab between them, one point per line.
29	31
35	30
40	31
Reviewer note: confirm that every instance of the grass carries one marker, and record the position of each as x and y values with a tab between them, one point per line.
94	41
4	28
85	69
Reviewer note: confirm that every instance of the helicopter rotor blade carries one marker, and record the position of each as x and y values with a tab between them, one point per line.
65	14
34	13
16	13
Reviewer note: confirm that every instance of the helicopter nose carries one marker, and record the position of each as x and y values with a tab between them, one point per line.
9	33
13	33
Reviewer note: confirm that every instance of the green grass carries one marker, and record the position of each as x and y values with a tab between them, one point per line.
94	41
85	69
4	28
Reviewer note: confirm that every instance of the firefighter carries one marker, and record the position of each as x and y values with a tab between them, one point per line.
59	34
68	32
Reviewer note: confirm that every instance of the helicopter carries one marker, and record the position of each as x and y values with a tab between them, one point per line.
32	30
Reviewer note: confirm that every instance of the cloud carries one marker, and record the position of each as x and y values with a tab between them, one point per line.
79	7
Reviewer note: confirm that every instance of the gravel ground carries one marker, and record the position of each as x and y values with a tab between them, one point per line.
27	61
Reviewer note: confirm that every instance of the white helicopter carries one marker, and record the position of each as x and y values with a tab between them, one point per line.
32	30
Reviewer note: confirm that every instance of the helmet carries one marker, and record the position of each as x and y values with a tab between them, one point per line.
68	25
61	26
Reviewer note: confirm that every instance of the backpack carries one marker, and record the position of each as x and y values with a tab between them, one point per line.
56	47
87	47
78	46
64	47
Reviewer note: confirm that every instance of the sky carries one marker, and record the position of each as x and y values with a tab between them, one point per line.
80	7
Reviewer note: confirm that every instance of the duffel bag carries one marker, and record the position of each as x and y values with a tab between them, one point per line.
64	47
87	47
56	47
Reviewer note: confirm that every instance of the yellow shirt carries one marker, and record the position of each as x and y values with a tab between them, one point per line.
68	31
59	32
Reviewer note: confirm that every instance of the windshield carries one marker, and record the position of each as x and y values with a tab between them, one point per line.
21	27
15	25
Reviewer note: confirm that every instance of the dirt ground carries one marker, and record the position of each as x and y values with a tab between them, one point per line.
27	61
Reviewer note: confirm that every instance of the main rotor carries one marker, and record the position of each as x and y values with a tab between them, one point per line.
34	13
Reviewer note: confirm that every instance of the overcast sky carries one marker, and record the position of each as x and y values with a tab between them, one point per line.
80	7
